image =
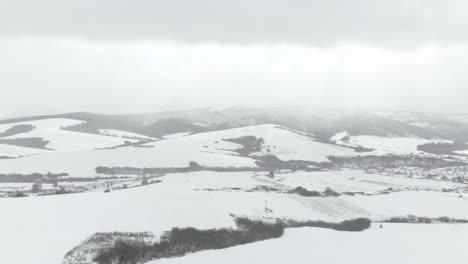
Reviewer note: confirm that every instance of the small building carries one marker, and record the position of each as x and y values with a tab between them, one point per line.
37	186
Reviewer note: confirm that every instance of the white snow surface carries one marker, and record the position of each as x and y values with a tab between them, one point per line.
285	144
17	151
339	136
384	145
64	140
122	134
207	149
395	243
49	226
176	135
461	152
420	124
45	124
359	181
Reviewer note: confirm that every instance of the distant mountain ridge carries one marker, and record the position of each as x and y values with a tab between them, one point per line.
323	124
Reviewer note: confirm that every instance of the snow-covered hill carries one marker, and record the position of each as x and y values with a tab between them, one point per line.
208	149
380	145
395	243
56	138
42	229
11	151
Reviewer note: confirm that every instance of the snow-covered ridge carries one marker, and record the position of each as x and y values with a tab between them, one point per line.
207	149
12	151
176	135
53	131
285	143
123	134
383	145
51	124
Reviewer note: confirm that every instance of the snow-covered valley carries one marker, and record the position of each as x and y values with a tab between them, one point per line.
114	180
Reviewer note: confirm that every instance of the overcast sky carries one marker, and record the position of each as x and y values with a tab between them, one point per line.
123	56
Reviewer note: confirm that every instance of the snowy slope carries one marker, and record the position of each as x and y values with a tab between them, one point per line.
382	145
83	163
123	134
285	144
207	149
64	140
176	135
359	181
49	226
395	243
16	151
45	124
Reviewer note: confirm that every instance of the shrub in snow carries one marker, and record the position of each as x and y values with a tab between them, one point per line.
304	192
330	192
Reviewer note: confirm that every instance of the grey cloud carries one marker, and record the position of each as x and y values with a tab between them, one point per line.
61	76
379	22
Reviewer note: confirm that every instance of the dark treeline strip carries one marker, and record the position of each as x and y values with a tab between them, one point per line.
264	163
272	163
193	167
181	241
17	129
443	148
393	161
329	192
354	225
50	178
33	142
15	177
412	219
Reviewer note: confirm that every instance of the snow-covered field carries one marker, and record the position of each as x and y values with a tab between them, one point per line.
123	134
17	151
83	163
77	154
42	229
285	144
176	135
461	152
359	181
64	140
392	145
395	243
207	149
383	145
49	226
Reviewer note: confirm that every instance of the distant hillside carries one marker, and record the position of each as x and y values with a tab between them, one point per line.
322	123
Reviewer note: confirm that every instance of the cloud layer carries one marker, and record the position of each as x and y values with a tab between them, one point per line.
398	23
59	75
151	55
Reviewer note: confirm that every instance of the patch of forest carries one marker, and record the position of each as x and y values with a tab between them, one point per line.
249	145
17	129
443	148
33	142
23	178
117	248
